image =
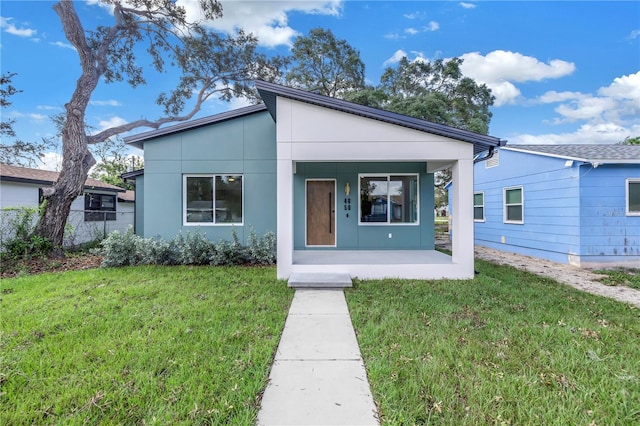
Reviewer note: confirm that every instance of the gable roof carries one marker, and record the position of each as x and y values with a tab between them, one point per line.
46	177
595	154
270	91
139	139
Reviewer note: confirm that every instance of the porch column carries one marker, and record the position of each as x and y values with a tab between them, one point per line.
462	239
284	211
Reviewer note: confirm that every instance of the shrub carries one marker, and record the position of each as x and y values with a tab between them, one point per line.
186	249
17	237
121	249
193	249
229	252
261	250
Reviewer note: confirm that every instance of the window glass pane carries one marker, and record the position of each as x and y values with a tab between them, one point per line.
514	213
373	199
199	199
478	199
634	197
403	193
229	199
108	202
514	196
478	213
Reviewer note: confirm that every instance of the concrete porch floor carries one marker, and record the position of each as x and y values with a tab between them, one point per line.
364	257
378	264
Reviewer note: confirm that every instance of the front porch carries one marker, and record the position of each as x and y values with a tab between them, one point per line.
376	264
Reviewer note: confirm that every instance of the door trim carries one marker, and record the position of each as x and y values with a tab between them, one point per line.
335	201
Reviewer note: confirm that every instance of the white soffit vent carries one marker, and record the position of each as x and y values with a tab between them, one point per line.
494	160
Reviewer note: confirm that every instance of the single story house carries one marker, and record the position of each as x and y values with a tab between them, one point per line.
575	204
101	209
346	188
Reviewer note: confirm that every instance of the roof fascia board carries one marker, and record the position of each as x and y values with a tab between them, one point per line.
569	157
137	140
376	114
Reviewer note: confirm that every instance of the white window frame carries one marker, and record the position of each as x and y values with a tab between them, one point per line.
213	188
628	183
388	222
505	205
478	205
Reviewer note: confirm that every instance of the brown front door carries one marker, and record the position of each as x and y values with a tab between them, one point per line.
321	215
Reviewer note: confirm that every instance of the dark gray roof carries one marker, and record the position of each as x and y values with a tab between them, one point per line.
137	140
270	91
590	153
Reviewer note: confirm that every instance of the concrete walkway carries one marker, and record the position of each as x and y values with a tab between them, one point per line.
318	377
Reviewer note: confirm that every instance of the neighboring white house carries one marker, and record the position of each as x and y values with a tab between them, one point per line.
101	209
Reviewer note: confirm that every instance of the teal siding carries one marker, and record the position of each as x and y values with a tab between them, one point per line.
351	235
245	145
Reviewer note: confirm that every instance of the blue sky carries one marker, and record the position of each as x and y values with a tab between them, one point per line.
562	72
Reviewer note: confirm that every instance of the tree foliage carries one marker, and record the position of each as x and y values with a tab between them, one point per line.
113	163
434	91
326	65
210	65
631	141
14	151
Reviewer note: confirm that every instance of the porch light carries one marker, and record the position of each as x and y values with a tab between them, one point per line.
347	188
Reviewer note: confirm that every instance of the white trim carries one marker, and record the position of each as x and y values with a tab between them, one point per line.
504	204
388	222
474	207
335	211
569	157
628	181
213	188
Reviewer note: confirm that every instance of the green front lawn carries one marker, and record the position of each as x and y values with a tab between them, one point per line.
508	347
141	345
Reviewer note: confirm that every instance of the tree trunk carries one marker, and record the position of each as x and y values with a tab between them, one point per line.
76	158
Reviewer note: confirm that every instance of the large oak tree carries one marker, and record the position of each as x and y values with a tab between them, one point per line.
210	64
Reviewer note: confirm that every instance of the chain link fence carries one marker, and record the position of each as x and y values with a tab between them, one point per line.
83	226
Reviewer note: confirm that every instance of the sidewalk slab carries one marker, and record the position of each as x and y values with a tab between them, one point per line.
319	393
318	377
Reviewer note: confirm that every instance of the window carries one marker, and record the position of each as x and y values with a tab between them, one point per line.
388	199
478	206
213	199
99	207
513	205
633	197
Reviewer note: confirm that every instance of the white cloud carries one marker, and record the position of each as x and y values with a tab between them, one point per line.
9	27
411	31
110	102
600	133
500	69
625	87
267	20
608	116
415	15
432	26
112	122
393	36
63	45
553	97
634	34
466	5
395	58
51	161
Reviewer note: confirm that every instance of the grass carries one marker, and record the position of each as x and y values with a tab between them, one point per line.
628	277
508	347
143	345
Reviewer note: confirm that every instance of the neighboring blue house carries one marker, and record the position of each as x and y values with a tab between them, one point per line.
346	188
576	204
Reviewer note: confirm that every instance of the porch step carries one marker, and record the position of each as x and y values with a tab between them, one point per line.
319	280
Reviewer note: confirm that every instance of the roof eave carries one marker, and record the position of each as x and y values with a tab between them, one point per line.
269	91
